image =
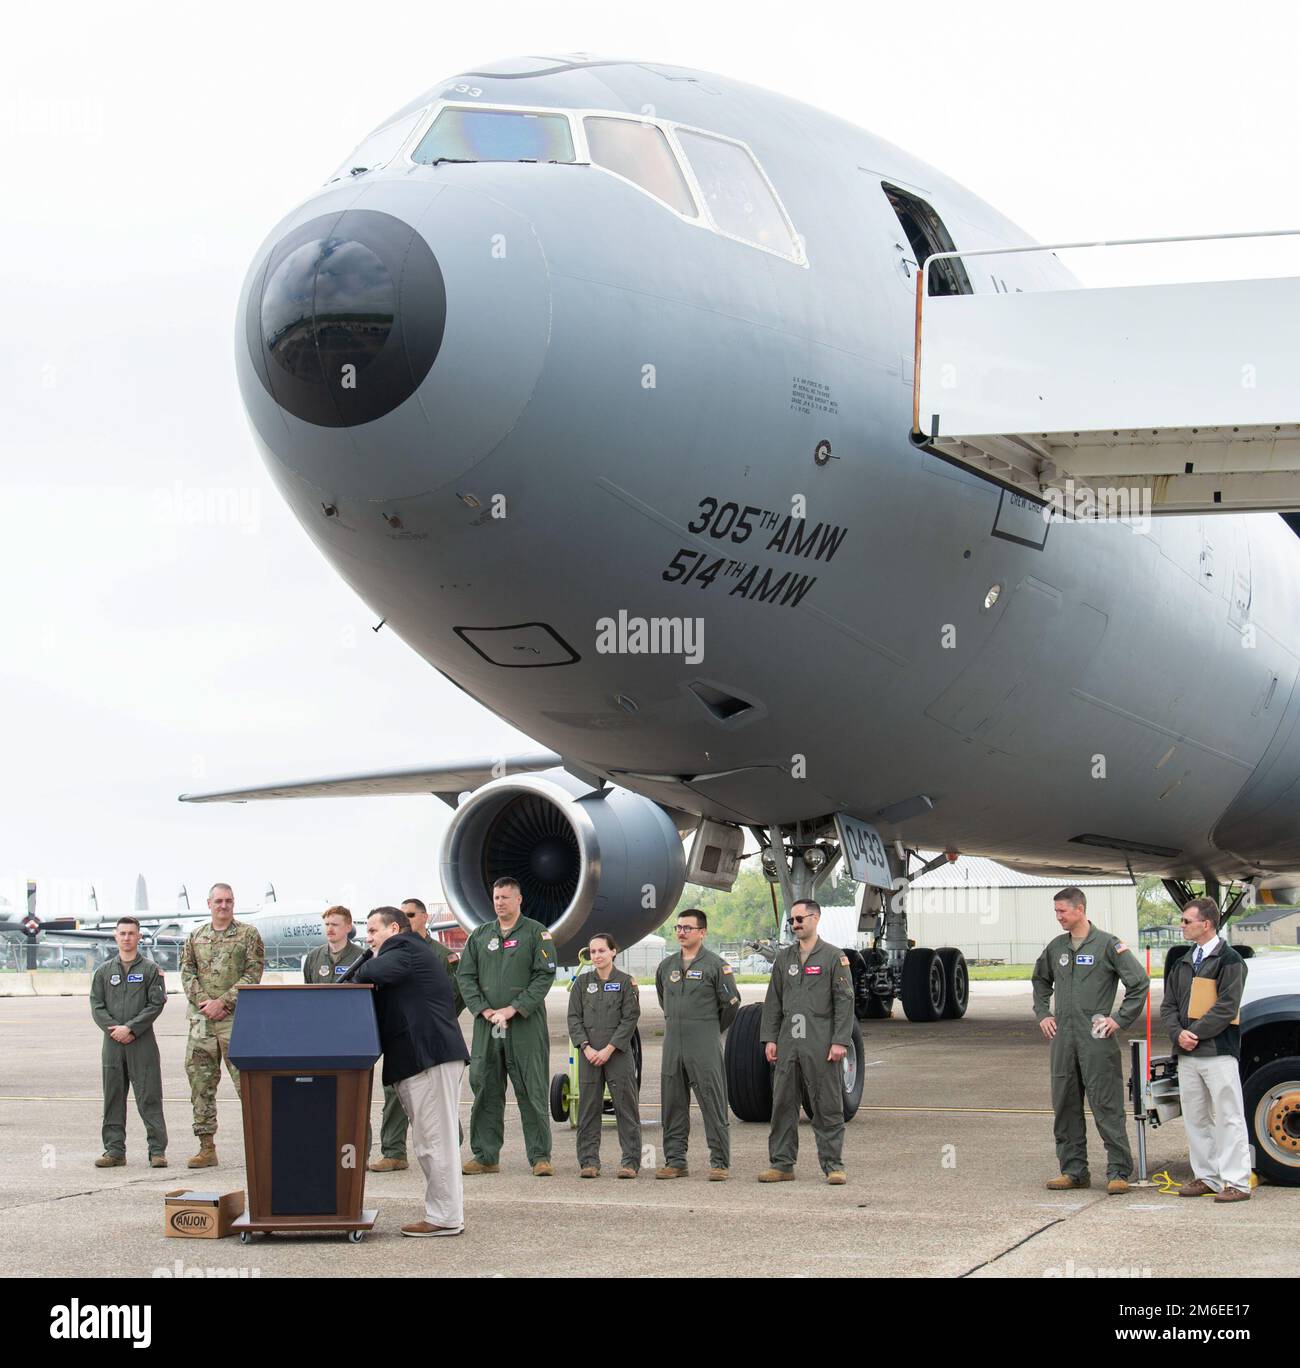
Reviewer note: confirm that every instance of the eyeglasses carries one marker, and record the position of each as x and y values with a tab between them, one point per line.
808	916
687	926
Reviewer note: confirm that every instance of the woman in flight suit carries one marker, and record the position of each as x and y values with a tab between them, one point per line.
604	1005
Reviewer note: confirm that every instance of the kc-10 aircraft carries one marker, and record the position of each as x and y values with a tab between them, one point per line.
593	379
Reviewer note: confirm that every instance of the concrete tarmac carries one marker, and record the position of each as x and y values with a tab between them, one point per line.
946	1162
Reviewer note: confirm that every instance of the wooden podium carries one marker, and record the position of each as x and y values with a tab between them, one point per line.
305	1055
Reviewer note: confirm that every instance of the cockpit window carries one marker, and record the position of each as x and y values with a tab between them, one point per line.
737	196
640	153
496	135
380	147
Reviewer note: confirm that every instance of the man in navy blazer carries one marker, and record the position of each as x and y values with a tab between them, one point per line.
424	1059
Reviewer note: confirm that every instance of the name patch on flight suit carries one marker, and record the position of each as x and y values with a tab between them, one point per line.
510	944
115	980
613	987
135	978
1083	959
695	973
341	968
812	968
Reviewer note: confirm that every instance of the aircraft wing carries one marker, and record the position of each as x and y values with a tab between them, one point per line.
445	781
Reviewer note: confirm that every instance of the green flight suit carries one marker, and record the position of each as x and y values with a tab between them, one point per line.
1084	979
322	968
808	1008
515	969
130	995
393	1123
606	1013
700	1000
215	964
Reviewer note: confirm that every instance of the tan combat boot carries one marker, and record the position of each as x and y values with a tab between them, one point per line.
668	1171
775	1175
1064	1183
589	1171
157	1161
111	1161
207	1155
719	1175
543	1169
387	1166
472	1167
1117	1187
627	1171
837	1177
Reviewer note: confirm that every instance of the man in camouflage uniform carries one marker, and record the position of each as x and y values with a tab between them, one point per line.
393	1124
126	996
217	961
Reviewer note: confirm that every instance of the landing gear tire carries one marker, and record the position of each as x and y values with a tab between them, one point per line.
925	986
853	1077
749	1075
559	1097
1173	955
1272	1098
957	977
879	1009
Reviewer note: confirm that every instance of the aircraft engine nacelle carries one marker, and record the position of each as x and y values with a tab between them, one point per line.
585	861
1282	890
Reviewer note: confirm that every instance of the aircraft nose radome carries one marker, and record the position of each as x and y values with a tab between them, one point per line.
385	350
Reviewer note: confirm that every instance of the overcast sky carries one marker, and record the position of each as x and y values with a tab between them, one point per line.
165	623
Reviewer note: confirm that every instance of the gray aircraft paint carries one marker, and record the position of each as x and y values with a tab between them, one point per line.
1102	643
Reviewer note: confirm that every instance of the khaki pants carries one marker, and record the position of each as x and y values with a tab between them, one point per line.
432	1101
1215	1118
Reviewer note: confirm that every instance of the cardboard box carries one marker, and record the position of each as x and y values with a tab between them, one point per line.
195	1214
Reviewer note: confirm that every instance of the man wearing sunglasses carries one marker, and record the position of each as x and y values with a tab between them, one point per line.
697	990
807	1030
1208	1047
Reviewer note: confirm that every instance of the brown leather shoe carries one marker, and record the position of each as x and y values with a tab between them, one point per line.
669	1172
1065	1183
425	1230
626	1172
837	1177
590	1171
775	1175
1233	1194
1117	1187
542	1169
472	1166
719	1175
207	1155
111	1161
157	1161
387	1165
1196	1188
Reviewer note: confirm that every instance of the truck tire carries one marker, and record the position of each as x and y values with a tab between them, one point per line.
1173	955
749	1075
1272	1098
853	1078
957	977
925	986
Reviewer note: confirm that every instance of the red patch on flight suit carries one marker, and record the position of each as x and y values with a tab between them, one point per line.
510	944
812	968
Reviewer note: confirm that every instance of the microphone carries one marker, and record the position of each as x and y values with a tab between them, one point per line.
365	955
